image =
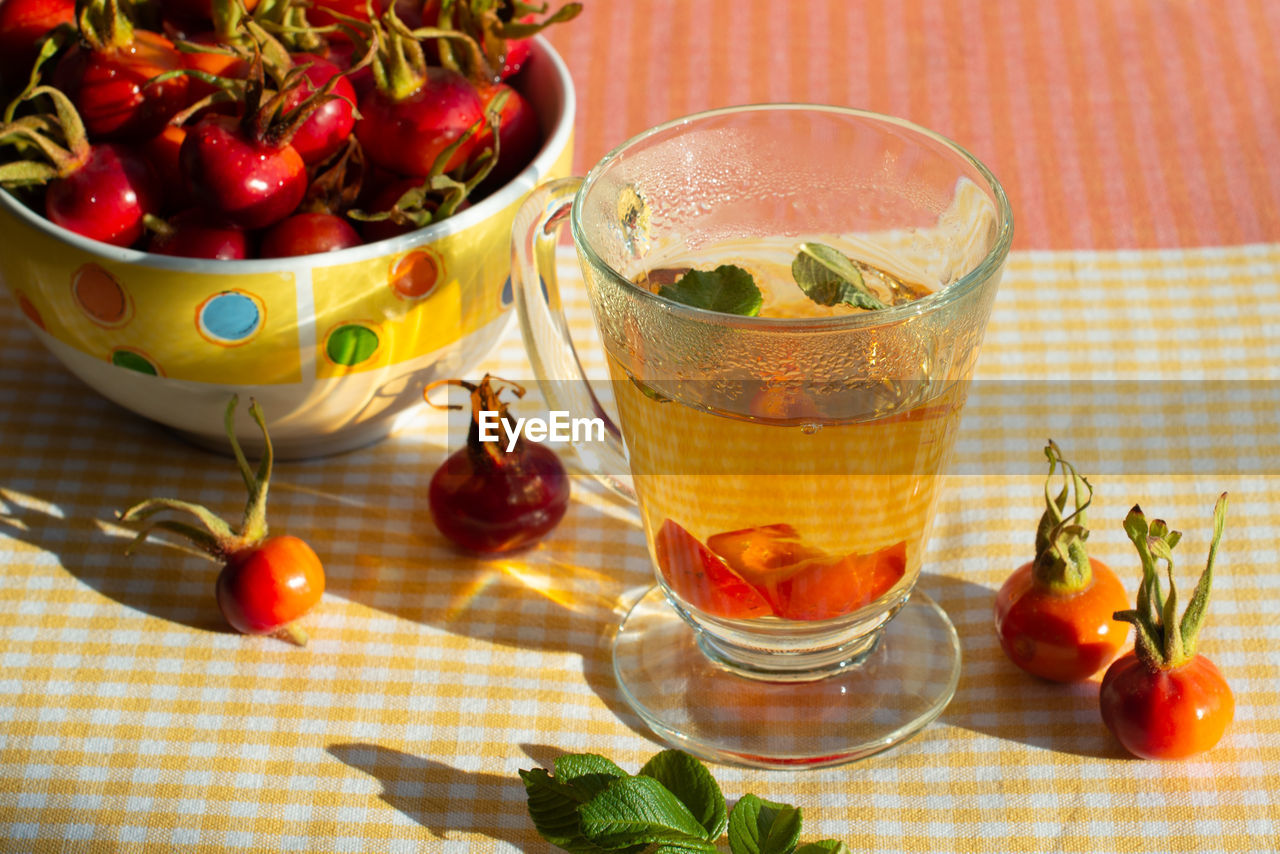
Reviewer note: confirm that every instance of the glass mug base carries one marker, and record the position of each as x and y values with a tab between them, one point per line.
800	657
857	702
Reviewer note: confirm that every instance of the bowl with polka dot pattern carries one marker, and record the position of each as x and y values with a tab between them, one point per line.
336	347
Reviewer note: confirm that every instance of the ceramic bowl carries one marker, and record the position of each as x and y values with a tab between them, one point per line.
336	347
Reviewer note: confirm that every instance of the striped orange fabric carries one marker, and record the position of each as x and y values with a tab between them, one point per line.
131	720
1158	117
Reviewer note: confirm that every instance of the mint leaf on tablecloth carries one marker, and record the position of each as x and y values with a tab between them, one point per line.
588	773
757	826
828	276
691	782
826	846
553	807
640	810
673	806
728	289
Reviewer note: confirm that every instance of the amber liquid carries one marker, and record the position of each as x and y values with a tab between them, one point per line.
767	501
851	489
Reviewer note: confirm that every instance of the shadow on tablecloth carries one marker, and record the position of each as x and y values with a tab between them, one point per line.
62	489
430	793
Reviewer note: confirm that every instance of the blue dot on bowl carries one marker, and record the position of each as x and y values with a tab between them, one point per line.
230	316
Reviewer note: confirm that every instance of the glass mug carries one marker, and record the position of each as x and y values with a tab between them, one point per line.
786	466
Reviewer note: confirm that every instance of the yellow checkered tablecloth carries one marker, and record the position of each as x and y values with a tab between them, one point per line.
132	720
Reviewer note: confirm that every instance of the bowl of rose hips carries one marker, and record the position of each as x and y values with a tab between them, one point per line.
309	203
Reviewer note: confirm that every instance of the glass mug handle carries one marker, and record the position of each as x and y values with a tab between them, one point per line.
555	362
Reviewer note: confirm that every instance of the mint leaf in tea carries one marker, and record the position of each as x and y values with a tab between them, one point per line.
778	277
728	289
828	277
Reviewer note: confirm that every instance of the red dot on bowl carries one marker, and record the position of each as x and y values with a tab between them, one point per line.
415	275
99	295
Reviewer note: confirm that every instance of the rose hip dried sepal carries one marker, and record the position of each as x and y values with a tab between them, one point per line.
267	583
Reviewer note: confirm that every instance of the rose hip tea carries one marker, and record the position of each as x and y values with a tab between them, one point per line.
782	500
790	299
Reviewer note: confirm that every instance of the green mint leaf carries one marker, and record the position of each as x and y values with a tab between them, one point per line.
757	826
826	846
640	811
553	807
691	782
588	773
827	277
726	289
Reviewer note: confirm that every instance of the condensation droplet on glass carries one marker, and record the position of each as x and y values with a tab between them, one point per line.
633	217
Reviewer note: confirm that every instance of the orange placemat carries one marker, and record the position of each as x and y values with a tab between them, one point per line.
1143	123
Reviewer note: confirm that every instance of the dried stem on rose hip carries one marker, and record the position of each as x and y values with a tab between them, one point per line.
59	140
484	398
1162	640
218	539
402	73
100	191
1062	561
266	583
439	195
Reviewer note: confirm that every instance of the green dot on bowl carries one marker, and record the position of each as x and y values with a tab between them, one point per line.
351	344
133	361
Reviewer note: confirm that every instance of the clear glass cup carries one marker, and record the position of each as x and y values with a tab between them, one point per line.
786	468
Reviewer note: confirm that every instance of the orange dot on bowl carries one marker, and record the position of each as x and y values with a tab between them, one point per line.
32	313
100	295
416	274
